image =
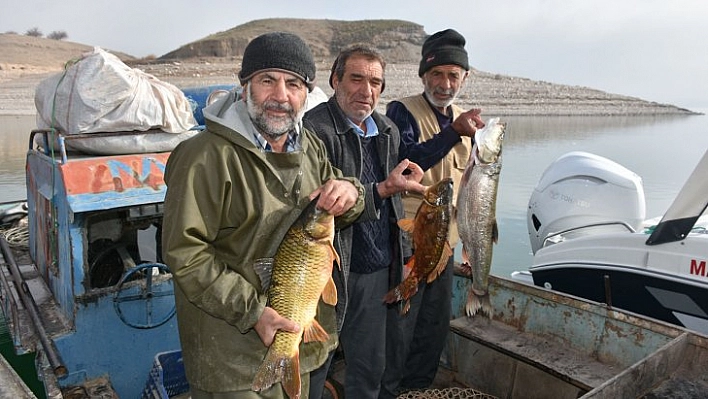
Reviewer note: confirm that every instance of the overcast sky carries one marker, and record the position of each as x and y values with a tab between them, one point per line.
656	50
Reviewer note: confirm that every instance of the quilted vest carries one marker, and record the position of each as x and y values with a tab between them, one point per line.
452	165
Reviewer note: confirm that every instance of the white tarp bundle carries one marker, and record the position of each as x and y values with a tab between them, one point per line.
99	93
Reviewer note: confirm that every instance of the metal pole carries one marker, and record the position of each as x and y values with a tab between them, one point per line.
28	301
608	290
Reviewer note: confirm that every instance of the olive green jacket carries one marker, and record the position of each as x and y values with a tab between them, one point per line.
229	203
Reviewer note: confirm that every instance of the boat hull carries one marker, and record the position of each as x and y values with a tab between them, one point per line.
668	282
542	343
660	296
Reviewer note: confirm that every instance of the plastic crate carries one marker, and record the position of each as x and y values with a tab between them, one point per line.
167	378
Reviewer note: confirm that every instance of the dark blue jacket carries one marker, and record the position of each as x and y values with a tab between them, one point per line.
430	152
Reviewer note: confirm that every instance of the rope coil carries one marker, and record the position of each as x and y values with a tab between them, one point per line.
17	236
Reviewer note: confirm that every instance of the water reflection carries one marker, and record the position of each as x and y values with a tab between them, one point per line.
15	142
540	129
663	150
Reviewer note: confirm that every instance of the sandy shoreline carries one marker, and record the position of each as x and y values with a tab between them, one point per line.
495	94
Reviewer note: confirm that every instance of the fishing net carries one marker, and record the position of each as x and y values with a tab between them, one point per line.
17	236
446	393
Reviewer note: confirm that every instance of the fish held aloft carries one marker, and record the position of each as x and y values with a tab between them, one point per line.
476	212
301	274
429	230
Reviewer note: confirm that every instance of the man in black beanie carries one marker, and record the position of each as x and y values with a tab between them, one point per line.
444	48
233	191
278	51
437	135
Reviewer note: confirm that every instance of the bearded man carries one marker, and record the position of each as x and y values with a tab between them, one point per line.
233	191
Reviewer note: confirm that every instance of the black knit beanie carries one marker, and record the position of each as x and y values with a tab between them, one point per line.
278	50
444	48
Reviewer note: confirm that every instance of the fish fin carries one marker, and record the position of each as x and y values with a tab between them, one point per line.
407	225
465	266
405	290
486	306
465	256
393	296
275	368
329	294
473	304
408	268
264	269
406	307
438	269
447	251
291	378
442	263
336	255
477	303
315	332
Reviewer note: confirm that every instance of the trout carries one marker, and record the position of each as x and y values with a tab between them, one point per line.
429	230
476	208
301	274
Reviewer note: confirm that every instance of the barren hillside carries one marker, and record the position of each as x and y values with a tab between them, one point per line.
25	61
399	41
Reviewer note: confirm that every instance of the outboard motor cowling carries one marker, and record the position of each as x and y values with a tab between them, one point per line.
580	194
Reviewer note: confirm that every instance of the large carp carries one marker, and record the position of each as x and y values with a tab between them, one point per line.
429	229
301	273
476	212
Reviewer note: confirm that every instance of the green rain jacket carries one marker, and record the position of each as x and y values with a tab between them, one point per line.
229	203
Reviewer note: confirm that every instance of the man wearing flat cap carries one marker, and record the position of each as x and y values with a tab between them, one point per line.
437	135
233	191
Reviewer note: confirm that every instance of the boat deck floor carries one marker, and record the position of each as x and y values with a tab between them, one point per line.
544	353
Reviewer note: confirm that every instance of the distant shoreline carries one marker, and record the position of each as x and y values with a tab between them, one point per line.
27	60
495	94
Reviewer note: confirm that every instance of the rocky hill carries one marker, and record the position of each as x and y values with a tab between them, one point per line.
399	41
36	54
216	59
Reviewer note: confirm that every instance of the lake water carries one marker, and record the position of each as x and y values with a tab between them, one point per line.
663	150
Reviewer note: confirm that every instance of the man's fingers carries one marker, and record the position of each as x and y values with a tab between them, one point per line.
416	172
476	118
337	196
289	326
416	187
401	167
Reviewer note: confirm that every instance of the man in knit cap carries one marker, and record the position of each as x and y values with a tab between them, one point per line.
233	191
437	135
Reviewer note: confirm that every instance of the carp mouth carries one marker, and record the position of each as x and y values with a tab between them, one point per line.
439	194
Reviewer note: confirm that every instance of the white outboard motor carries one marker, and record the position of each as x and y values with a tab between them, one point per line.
581	194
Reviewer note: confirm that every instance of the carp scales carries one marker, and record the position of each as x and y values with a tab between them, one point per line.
476	212
429	230
301	274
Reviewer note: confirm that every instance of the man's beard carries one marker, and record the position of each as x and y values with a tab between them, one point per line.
272	127
440	103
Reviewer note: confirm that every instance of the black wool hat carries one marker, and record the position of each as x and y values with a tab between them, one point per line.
443	48
278	50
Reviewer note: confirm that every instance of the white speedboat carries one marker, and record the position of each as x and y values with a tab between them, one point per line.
589	236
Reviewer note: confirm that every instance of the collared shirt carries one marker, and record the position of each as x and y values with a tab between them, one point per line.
238	119
291	142
371	129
